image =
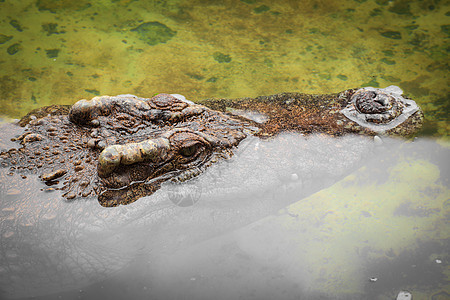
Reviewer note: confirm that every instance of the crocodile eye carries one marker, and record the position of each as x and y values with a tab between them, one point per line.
189	146
189	151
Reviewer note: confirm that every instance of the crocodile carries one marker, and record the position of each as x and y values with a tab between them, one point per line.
122	148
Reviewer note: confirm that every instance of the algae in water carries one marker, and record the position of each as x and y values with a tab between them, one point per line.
154	33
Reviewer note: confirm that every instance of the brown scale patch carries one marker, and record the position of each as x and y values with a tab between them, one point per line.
291	112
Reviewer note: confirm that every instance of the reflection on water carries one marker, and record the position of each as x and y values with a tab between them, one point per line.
291	217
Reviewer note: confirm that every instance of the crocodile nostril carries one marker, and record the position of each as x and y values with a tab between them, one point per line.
383	100
380	109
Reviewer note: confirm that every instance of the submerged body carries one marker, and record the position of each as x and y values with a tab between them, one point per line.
122	148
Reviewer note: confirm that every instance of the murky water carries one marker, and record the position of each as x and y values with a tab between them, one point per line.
370	223
294	217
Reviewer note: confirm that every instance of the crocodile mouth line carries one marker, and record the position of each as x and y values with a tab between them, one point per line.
112	196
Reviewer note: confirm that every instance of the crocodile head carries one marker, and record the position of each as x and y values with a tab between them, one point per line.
122	148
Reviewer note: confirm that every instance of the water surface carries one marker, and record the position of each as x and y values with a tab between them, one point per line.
314	218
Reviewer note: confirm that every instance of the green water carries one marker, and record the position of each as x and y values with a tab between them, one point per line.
57	52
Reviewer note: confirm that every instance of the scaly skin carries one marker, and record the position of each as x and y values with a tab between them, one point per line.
122	148
308	114
109	143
